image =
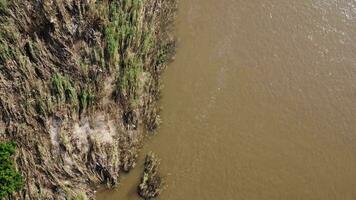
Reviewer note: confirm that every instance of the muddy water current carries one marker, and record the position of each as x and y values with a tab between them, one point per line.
259	104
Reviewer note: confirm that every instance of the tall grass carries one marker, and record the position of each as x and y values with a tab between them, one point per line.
63	89
3	5
129	79
86	98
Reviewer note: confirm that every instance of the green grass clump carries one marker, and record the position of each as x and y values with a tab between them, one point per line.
5	50
79	198
112	41
124	35
57	86
129	79
41	107
148	42
163	54
112	35
3	5
86	98
122	30
10	179
8	40
63	90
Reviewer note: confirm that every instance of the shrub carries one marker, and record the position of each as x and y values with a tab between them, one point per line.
10	179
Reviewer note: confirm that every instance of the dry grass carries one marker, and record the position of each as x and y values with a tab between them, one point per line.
64	61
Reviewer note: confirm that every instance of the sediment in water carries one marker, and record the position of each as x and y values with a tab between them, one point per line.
79	84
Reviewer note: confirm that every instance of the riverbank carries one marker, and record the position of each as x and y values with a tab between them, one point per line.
79	85
258	103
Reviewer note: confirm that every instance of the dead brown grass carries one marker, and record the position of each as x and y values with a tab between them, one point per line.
64	63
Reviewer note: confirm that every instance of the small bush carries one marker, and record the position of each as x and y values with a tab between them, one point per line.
10	179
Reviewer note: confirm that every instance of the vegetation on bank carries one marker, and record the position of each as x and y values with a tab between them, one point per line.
65	64
151	184
10	179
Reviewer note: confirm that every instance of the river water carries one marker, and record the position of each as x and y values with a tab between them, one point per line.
260	103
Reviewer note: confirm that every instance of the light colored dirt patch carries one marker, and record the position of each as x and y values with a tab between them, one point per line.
101	129
54	130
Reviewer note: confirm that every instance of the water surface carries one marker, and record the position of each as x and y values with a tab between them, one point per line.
260	103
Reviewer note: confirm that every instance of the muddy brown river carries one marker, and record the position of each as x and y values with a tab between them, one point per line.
260	103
